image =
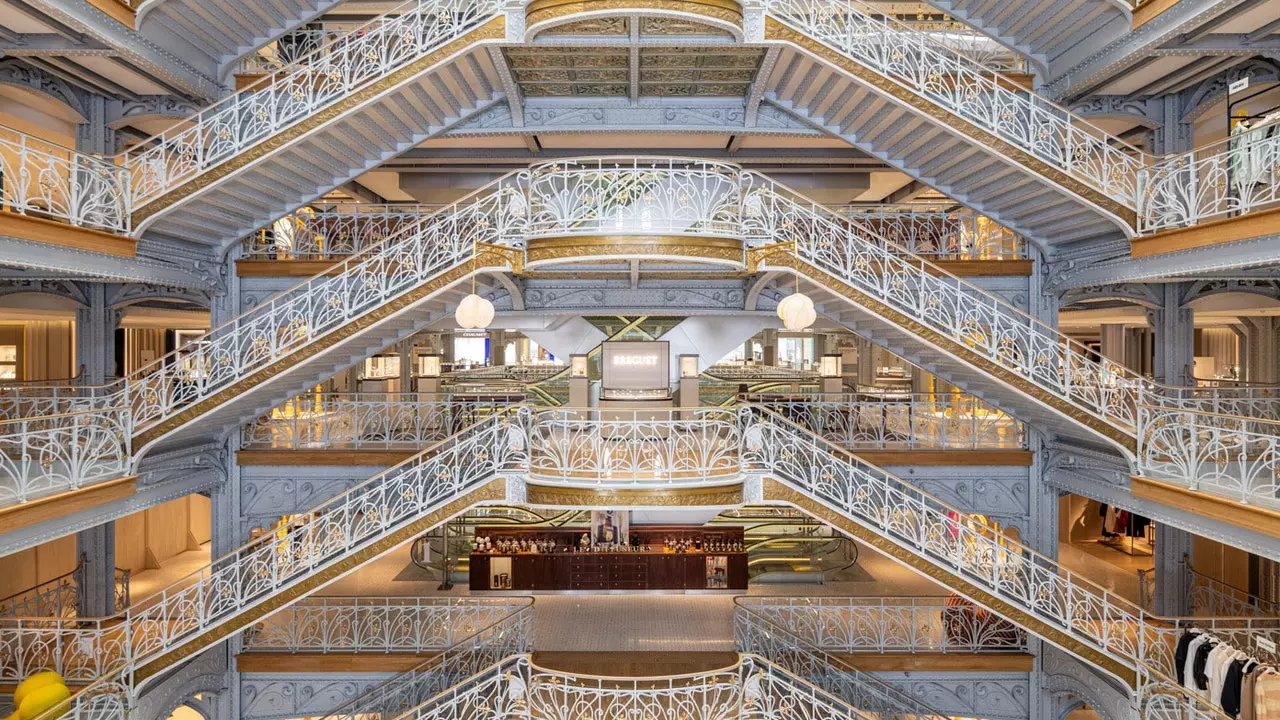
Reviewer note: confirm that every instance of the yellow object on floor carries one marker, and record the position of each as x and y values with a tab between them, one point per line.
35	682
43	699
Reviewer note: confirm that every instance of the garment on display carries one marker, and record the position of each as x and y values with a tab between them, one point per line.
1232	680
1125	531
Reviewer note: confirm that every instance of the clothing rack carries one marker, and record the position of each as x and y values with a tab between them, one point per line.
1233	680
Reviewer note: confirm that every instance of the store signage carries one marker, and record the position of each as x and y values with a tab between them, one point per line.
1238	86
636	366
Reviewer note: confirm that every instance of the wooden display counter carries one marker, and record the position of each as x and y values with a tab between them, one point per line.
569	566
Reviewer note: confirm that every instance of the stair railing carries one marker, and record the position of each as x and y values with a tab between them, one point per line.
754	632
60	597
947	78
511	634
328	74
1010	571
973	317
269	566
677	196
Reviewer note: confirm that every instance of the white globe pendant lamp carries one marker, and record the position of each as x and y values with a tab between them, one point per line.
474	312
800	317
797	299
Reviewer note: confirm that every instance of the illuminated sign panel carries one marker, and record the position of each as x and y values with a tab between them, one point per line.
636	370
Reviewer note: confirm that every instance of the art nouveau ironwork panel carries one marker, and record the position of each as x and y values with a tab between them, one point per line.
510	634
634	448
889	624
938	234
111	649
331	73
45	180
42	456
365	421
354	624
923	420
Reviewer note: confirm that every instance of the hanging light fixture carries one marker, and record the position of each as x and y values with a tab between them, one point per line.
796	310
474	312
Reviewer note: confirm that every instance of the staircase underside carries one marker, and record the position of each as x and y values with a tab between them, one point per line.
935	146
1042	29
227	29
330	147
337	350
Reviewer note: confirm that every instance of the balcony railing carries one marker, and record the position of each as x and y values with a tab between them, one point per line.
60	597
938	234
41	456
890	625
1225	455
635	195
379	625
331	232
634	448
509	635
752	688
952	421
365	421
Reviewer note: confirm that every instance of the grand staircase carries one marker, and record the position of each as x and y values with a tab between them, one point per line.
973	339
902	93
272	571
996	572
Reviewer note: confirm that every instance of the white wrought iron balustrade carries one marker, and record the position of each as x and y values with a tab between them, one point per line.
890	625
1010	571
760	373
48	181
537	373
937	233
378	624
942	64
642	195
511	634
110	650
1224	455
753	689
294	46
331	232
937	533
312	309
316	81
756	633
634	448
365	421
60	596
929	67
46	455
1211	596
1232	177
633	195
977	46
883	422
957	309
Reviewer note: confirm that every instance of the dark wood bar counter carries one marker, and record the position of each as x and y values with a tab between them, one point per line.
569	568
